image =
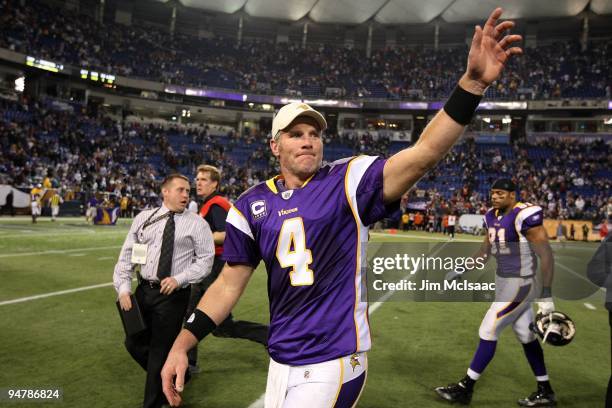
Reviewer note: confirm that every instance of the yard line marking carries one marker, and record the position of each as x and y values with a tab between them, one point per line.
77	254
559	248
423	238
47	220
590	306
54	234
61	292
259	402
567	268
577	274
57	251
104	258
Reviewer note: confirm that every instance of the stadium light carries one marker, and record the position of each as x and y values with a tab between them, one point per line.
97	76
20	84
43	64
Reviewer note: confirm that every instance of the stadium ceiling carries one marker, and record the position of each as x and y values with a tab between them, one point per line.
398	11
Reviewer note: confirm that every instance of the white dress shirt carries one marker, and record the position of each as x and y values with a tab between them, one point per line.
193	207
193	254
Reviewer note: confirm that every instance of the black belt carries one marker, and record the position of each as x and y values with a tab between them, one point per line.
150	284
155	285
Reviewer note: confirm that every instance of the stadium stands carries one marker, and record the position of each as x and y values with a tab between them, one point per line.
84	155
40	138
557	70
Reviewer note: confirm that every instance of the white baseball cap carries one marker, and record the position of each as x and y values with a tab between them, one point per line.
288	113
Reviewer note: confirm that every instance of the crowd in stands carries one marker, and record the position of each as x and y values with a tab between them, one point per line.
550	71
567	178
81	156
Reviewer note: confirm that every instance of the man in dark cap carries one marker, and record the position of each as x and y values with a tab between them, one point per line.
515	234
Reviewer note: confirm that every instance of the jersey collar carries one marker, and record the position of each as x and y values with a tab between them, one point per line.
518	204
277	183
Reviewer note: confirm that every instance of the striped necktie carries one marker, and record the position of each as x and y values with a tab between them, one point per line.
164	267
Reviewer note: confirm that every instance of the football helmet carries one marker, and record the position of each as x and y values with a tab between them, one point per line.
556	328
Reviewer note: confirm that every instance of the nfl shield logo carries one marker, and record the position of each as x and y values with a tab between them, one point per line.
287	194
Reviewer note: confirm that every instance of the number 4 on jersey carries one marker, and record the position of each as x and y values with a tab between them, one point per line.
291	252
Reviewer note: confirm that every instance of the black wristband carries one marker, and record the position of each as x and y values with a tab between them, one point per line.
200	324
546	292
461	105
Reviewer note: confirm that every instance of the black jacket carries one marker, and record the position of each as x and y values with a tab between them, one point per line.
599	269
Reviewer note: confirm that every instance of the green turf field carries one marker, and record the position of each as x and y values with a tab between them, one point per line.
74	340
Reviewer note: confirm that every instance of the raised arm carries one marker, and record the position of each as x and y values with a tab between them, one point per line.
213	308
489	52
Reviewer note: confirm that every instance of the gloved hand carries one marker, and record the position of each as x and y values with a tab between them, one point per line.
545	305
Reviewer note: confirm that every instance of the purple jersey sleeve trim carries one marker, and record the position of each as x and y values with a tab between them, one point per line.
533	220
239	245
370	203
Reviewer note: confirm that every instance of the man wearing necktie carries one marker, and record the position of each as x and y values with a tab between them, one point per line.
174	248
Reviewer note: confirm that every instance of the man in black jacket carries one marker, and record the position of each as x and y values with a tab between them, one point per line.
600	273
214	208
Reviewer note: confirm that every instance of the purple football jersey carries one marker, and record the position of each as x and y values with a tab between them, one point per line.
312	241
509	245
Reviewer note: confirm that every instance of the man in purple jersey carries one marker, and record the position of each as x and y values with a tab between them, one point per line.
309	226
515	235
